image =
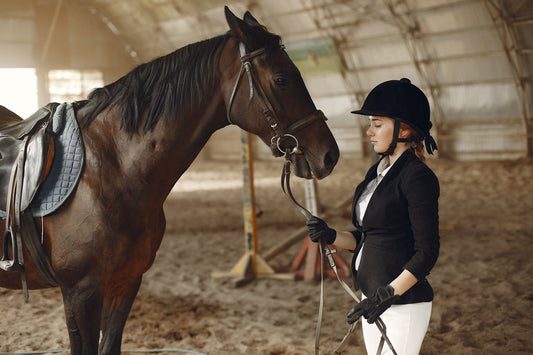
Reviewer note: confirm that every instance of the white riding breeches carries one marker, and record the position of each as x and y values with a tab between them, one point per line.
406	327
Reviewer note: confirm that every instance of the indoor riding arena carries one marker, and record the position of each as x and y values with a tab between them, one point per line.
234	272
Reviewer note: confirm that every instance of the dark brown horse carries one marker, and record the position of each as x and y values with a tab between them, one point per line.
140	134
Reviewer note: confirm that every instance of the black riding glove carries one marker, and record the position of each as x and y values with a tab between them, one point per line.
319	230
371	308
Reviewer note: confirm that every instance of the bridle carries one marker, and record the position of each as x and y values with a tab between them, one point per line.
276	141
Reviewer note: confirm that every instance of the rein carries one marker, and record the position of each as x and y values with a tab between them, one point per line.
280	135
324	249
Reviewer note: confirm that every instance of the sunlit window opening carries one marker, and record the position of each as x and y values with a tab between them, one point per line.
18	90
72	85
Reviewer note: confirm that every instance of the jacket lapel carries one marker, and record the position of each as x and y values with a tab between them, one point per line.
371	175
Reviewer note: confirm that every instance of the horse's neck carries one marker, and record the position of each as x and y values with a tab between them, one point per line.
152	162
182	144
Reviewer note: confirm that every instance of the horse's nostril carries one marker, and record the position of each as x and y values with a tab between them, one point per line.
331	159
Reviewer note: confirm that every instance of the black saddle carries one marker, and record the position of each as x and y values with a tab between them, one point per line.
28	141
26	153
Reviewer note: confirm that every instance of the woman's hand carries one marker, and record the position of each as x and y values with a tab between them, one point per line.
318	230
373	307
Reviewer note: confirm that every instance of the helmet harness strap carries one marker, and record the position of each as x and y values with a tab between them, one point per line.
396	138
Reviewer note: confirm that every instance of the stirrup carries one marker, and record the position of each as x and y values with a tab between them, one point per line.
5	263
11	265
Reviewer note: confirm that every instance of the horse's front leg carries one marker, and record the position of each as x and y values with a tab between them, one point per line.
117	306
83	304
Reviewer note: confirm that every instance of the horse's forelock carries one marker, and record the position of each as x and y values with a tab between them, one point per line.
263	39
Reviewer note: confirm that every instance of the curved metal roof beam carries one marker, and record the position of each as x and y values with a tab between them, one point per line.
409	29
136	9
503	19
113	28
321	11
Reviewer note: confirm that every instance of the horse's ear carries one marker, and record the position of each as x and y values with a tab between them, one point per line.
239	28
249	19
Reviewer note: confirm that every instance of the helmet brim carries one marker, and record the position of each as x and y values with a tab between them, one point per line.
366	113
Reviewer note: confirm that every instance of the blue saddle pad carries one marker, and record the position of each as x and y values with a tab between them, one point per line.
67	165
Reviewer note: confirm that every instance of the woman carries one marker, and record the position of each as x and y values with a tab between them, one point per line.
395	212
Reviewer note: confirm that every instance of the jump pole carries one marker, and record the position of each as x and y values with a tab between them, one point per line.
251	265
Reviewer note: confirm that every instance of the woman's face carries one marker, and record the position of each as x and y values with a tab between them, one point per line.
380	132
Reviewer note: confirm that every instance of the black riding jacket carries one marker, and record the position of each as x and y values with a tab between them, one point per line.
400	228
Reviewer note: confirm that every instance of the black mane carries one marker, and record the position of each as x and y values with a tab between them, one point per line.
167	86
164	87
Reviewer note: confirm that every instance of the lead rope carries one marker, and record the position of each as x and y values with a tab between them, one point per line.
286	187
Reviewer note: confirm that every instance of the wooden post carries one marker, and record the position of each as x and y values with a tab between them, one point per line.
311	203
309	249
251	265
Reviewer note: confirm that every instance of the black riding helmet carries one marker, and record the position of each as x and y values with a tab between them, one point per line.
403	102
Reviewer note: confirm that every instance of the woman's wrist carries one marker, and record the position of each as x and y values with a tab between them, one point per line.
345	240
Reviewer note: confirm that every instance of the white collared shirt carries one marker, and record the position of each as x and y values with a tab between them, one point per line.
360	209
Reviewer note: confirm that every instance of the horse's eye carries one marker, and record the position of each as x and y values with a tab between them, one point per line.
280	81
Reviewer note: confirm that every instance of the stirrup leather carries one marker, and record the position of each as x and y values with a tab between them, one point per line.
12	232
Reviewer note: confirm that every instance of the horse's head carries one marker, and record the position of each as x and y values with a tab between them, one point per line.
267	97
